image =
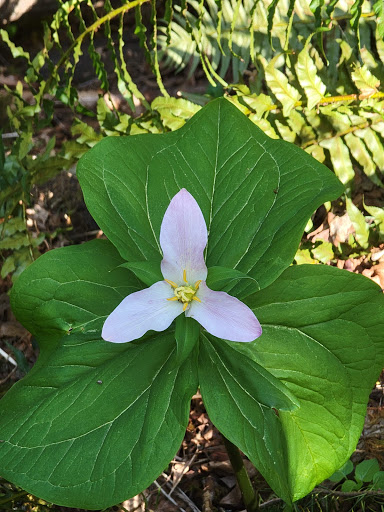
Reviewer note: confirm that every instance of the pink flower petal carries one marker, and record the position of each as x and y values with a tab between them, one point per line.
183	237
140	312
224	316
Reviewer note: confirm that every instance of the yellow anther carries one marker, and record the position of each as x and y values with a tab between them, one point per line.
185	293
174	285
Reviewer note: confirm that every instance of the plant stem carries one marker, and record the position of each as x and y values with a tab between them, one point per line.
247	491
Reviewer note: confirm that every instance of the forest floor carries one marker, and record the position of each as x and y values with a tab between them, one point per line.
200	477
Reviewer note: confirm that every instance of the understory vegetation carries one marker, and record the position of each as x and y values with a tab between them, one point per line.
306	72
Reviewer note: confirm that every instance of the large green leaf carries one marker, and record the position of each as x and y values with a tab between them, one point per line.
256	193
93	422
239	396
323	338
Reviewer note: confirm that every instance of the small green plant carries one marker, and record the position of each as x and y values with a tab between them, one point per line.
365	475
18	245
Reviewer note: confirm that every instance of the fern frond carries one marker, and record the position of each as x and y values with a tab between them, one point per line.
309	79
233	32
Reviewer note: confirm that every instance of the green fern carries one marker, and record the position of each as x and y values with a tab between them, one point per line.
234	32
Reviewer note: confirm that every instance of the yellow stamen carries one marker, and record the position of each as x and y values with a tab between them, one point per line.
185	293
174	285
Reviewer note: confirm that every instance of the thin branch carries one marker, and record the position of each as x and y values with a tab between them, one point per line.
7	357
168	496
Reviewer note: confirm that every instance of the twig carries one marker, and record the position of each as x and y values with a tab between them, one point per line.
7	357
181	494
10	135
168	496
269	503
173	487
2	381
186	468
208	494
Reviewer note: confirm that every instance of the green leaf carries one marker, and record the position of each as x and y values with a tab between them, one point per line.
340	159
374	145
8	266
309	80
256	194
377	213
315	7
271	13
16	241
305	315
187	332
378	480
343	472
97	63
240	402
12	226
378	7
260	103
147	271
17	51
365	81
221	278
366	470
359	223
350	486
281	88
174	111
304	256
323	251
355	12
93	422
361	155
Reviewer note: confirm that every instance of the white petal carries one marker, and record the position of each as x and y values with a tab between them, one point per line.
140	312
224	316
183	237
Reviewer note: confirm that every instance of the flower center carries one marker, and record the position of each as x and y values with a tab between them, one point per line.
184	294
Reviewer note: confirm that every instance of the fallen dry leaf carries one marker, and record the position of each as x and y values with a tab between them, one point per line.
339	228
12	329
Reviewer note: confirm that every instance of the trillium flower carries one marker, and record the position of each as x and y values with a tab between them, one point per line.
183	238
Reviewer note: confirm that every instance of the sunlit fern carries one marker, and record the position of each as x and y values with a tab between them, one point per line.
224	33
